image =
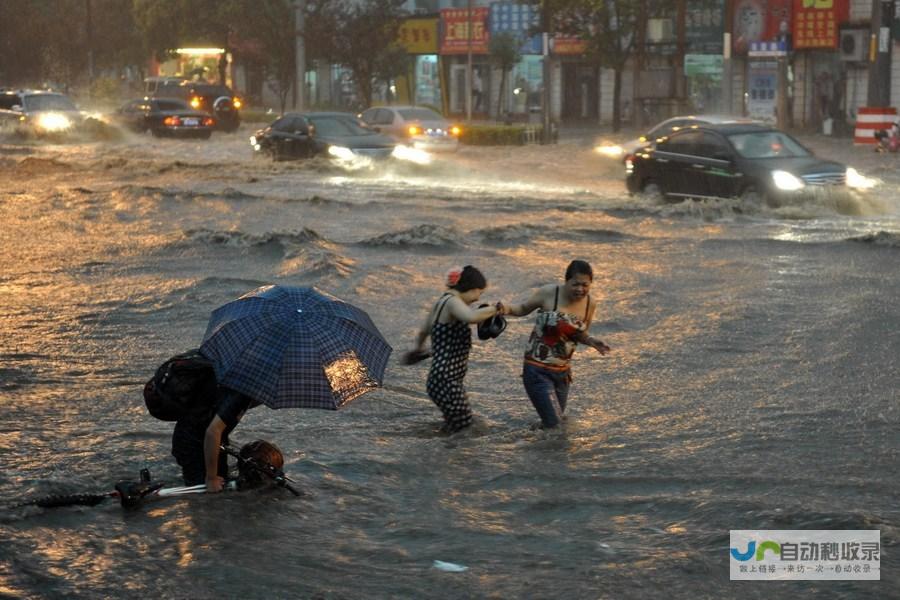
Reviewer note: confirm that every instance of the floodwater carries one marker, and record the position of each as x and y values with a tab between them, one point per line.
753	382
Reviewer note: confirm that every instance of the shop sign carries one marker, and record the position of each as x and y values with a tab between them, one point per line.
761	21
816	22
518	19
762	90
703	64
419	36
455	24
704	26
567	45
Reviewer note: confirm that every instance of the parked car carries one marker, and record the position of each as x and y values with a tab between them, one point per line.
165	117
665	128
303	135
414	125
216	99
754	162
38	112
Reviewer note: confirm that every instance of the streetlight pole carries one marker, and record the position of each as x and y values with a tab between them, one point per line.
545	74
300	54
469	64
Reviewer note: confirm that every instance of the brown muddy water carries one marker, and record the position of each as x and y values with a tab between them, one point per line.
753	382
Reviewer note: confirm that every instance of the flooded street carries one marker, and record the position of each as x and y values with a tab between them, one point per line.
753	382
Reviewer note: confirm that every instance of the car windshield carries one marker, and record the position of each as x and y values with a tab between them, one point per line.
419	114
168	105
338	126
767	144
48	102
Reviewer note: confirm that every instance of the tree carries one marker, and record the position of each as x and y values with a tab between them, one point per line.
505	53
359	35
265	36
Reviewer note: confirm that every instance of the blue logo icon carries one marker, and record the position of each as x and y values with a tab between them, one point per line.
752	551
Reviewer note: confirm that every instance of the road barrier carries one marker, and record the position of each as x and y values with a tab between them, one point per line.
871	119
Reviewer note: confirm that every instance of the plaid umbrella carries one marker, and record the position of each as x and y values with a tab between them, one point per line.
295	347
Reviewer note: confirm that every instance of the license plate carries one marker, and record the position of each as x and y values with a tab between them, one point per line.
191	122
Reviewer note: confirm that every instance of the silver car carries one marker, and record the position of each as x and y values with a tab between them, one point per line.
417	126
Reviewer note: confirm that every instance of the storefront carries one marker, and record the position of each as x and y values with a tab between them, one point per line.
521	93
455	45
703	61
423	85
580	92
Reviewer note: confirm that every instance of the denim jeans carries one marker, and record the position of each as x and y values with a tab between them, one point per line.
548	391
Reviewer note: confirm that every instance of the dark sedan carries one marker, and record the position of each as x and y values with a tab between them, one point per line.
165	117
218	100
753	162
338	135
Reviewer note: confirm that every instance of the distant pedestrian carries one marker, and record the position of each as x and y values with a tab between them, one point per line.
448	324
564	316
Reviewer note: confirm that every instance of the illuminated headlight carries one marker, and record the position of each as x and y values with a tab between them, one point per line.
859	181
629	166
341	152
53	122
787	181
253	140
611	151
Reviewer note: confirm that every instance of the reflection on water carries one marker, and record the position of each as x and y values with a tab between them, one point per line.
751	384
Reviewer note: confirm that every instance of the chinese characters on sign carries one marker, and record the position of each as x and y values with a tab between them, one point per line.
455	30
805	554
816	22
518	19
419	36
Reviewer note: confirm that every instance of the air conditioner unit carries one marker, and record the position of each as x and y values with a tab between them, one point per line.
854	45
660	30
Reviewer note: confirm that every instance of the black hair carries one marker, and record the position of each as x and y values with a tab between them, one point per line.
470	279
579	267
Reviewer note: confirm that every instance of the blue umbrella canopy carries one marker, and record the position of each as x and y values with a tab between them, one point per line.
295	347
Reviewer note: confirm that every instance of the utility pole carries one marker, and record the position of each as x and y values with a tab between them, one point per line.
89	34
545	74
880	61
681	47
469	63
727	65
300	55
637	104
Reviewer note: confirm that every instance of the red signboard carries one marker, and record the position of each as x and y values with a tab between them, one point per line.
817	22
568	44
455	30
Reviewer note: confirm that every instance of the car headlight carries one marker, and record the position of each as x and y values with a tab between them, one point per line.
612	151
53	122
787	181
252	140
857	180
341	152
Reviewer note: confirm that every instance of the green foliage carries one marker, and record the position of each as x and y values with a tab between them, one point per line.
504	50
498	135
359	35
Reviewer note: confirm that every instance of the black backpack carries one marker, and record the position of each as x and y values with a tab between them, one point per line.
183	386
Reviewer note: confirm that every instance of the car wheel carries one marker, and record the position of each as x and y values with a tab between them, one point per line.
157	132
652	191
205	135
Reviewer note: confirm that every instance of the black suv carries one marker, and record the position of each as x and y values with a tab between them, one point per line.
215	99
753	162
38	112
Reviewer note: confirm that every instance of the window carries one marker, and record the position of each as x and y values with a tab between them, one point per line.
39	102
338	126
171	105
682	143
420	114
7	101
712	146
767	144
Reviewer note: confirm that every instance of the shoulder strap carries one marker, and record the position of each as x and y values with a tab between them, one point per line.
446	297
587	308
556	298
